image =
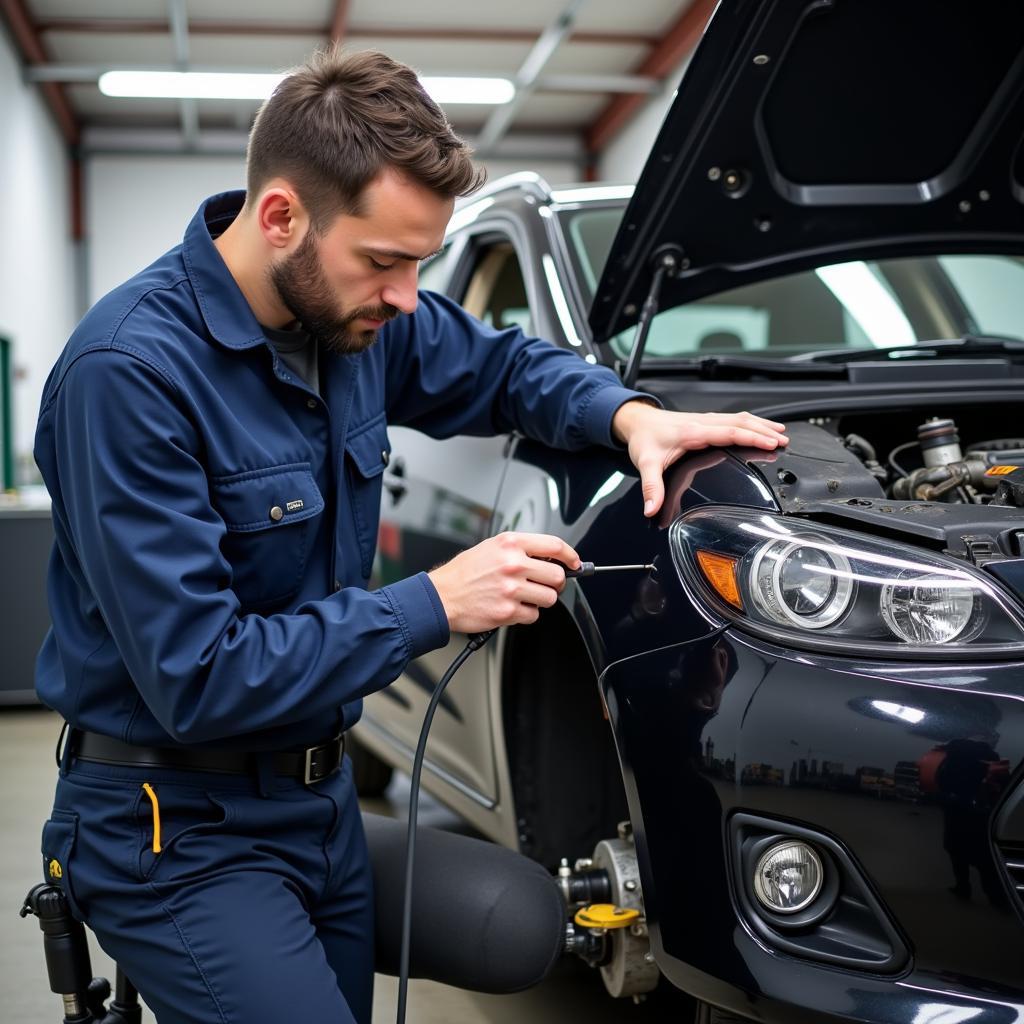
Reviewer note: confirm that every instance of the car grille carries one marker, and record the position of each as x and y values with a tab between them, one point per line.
1013	858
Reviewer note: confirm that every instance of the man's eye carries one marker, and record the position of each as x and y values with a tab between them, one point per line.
380	266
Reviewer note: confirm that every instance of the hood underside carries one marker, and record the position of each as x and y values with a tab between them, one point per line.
810	132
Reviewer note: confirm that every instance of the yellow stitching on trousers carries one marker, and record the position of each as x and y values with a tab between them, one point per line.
156	815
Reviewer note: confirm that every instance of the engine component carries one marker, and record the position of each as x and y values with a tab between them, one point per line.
940	443
613	934
1009	486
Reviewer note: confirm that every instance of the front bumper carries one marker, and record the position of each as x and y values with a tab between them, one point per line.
854	751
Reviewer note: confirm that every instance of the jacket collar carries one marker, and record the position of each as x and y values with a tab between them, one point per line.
228	316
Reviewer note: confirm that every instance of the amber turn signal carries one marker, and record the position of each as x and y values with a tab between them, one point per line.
720	572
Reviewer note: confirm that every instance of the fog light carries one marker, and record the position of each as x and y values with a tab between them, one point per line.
788	877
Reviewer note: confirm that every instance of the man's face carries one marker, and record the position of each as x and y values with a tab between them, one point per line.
345	285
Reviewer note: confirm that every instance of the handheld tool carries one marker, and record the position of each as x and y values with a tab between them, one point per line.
589	569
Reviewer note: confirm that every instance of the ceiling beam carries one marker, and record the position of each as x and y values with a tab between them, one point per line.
178	16
526	77
148	26
339	22
677	44
33	51
524	147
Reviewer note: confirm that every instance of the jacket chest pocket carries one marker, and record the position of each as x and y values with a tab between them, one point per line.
271	520
366	457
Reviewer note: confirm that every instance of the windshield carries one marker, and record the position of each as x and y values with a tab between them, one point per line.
870	304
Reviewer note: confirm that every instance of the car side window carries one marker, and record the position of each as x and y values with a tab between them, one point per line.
496	292
434	273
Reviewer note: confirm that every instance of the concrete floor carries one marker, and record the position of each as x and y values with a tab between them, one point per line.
27	737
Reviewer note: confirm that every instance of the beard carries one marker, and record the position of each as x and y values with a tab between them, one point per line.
302	288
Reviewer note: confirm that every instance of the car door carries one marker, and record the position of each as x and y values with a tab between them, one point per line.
439	500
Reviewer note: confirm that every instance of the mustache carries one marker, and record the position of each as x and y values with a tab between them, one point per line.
385	312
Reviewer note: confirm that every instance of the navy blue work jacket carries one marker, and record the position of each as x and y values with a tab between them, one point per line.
216	519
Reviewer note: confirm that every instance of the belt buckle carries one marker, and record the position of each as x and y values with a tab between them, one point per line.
321	761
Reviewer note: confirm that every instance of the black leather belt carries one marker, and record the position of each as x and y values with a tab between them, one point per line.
309	765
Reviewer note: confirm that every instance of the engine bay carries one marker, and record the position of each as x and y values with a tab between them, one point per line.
955	485
936	462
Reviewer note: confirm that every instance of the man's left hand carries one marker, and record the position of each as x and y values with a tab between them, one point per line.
656	438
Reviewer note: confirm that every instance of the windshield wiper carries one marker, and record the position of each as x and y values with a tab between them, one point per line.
942	348
727	367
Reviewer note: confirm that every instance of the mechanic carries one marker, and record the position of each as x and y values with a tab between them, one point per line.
212	438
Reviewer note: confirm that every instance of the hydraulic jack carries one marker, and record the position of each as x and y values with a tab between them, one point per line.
70	969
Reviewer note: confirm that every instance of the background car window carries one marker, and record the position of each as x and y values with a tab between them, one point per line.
856	305
991	287
434	273
496	292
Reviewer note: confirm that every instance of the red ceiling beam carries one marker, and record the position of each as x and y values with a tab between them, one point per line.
147	26
339	23
32	51
674	46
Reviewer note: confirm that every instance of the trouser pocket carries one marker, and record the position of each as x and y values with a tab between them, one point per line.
179	828
58	846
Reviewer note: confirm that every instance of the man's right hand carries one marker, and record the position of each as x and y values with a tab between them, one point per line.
502	581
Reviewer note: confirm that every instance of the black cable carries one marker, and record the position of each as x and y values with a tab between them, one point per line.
896	451
475	643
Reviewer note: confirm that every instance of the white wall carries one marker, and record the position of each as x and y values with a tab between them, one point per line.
624	157
137	207
38	288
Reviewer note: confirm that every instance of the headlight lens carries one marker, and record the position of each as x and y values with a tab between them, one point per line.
799	584
927	610
829	588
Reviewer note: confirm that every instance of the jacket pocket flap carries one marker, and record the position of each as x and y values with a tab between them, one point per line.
370	450
265	498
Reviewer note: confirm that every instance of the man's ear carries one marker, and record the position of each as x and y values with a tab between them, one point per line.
280	216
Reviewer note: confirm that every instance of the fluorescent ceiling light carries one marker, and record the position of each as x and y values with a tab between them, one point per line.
469	90
230	85
869	303
198	85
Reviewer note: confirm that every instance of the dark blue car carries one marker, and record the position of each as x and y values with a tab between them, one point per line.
795	747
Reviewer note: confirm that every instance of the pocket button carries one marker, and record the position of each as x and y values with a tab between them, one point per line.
277	513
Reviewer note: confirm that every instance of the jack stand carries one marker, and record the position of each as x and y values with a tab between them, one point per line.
69	967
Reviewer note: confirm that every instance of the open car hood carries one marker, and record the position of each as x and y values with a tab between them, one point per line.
810	132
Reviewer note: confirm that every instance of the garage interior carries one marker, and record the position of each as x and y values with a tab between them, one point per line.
98	185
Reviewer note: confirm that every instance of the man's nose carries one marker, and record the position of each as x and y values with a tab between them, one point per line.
402	291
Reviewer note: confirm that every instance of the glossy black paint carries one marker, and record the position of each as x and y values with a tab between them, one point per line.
722	724
909	140
675	682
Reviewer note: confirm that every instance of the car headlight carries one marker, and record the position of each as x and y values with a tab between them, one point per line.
823	587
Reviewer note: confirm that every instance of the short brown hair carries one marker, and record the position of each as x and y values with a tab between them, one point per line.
333	124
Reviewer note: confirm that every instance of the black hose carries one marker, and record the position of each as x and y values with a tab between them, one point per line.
475	643
896	451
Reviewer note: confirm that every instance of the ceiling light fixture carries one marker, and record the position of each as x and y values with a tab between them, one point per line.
229	85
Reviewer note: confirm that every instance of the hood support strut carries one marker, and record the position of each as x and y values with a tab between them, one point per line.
667	261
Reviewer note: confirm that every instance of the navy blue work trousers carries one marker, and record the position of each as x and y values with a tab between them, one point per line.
257	908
